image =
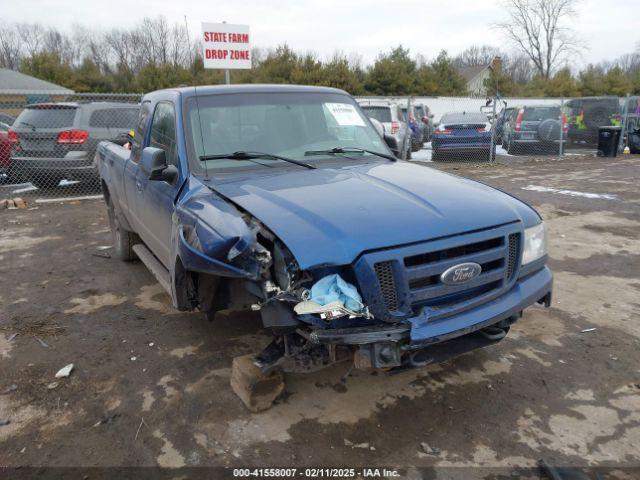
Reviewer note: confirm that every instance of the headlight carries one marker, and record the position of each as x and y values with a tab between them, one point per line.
535	243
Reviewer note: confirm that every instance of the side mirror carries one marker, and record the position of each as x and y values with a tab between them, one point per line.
154	165
392	142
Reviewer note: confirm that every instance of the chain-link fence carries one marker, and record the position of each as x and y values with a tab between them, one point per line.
48	142
477	129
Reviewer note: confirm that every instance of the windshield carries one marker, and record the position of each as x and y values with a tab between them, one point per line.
282	124
382	114
46	116
540	113
466	117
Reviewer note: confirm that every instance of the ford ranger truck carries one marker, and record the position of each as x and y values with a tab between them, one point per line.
286	201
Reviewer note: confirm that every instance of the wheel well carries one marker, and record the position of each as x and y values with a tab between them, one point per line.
186	291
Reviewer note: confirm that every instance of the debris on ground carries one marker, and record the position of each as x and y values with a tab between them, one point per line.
426	448
13	203
106	418
588	330
11	388
4	423
361	445
65	371
42	342
12	336
256	390
52	385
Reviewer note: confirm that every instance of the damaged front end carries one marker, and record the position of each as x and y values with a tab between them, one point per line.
388	310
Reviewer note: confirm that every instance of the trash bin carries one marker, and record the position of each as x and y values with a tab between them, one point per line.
608	140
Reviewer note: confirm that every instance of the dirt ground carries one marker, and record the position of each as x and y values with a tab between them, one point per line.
150	385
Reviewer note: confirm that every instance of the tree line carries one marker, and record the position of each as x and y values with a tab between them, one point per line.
156	54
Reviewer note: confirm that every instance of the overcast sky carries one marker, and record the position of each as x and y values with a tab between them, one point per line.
609	28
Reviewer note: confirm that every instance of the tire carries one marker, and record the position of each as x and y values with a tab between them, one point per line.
123	240
596	117
409	154
435	156
511	148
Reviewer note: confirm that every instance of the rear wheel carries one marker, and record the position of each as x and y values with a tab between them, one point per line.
510	147
123	240
435	156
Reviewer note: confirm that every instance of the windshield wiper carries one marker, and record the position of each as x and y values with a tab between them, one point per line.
244	155
338	150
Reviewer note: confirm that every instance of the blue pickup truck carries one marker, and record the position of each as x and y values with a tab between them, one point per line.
285	200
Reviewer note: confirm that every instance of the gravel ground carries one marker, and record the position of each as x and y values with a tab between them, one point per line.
150	385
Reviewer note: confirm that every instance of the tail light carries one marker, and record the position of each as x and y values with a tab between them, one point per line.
484	129
519	120
12	136
444	130
73	136
395	127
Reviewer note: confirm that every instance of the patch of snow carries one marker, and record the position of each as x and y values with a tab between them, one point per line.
572	193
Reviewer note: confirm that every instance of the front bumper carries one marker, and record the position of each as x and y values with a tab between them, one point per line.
420	331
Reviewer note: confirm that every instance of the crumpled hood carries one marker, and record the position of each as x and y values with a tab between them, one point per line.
330	216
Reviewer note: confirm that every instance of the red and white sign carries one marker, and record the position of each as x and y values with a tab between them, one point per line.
226	46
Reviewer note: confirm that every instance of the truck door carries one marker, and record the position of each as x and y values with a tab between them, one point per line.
131	169
155	202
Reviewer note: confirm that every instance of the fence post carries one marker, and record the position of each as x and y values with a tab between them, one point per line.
492	152
625	122
561	147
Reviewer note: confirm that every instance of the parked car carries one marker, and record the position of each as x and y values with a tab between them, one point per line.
285	200
5	150
584	116
6	119
533	127
394	123
416	126
52	141
425	115
461	133
502	118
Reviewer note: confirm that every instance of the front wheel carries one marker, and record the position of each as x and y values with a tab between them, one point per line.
123	240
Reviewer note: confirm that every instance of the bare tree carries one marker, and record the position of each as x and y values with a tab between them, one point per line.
475	56
10	47
536	28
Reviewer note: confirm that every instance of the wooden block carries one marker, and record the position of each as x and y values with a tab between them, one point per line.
19	202
256	390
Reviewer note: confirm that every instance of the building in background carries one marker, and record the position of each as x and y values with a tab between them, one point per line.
18	90
476	76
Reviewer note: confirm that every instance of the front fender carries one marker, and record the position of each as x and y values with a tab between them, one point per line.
197	261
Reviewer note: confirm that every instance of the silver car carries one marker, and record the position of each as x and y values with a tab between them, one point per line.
390	115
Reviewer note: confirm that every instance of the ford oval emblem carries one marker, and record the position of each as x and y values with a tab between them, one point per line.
461	273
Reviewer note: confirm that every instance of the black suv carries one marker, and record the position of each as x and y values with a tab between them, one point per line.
55	141
586	114
533	126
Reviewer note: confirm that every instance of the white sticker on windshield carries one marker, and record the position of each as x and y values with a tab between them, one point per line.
345	114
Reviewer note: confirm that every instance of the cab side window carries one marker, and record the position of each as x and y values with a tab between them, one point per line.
138	137
163	131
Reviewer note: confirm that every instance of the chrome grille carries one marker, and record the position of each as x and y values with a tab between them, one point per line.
384	272
408	278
